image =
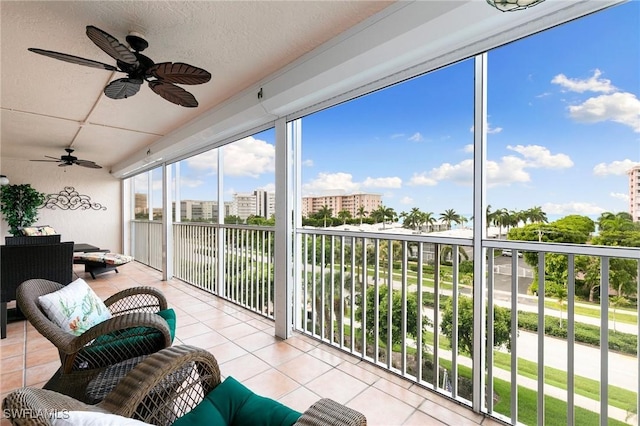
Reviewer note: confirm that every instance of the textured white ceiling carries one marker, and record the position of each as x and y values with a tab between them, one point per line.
47	105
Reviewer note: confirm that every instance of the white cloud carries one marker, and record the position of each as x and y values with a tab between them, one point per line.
330	184
490	130
385	182
617	168
538	156
422	179
406	201
397	135
622	107
591	84
509	170
307	163
417	137
468	148
619	196
572	208
246	157
190	183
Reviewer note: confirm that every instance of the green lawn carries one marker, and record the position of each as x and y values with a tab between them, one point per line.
618	397
620	315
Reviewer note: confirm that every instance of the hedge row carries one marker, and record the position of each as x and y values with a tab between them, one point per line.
584	333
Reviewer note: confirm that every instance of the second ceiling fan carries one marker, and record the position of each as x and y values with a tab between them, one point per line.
162	77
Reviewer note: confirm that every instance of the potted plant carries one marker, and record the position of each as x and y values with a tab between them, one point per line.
19	205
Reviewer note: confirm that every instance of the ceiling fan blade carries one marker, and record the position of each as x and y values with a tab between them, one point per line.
55	158
122	88
111	46
48	161
73	59
179	73
65	164
174	94
87	163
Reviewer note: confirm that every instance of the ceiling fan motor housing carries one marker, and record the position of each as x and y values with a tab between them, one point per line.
137	41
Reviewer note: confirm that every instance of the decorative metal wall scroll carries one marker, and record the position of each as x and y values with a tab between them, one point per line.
70	199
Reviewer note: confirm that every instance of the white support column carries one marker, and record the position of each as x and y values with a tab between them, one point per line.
167	225
284	263
221	236
177	214
150	193
128	201
479	231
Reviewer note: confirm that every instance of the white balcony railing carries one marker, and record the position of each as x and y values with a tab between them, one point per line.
583	370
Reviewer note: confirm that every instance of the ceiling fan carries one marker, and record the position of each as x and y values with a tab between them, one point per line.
162	77
70	160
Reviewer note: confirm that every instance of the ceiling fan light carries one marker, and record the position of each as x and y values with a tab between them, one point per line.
4	180
513	5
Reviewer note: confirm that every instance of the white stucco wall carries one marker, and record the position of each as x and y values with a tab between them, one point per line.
101	228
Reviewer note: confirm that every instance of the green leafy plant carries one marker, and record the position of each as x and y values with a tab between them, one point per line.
19	205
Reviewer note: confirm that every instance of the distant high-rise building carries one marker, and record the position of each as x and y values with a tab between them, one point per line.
634	193
258	203
140	203
337	203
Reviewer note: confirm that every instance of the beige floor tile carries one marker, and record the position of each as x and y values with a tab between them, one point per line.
418	418
337	385
237	331
244	367
227	351
206	340
300	399
277	353
192	330
40	373
256	341
304	368
272	384
445	415
386	410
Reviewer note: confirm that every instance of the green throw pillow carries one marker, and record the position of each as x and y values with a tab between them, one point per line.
170	316
232	404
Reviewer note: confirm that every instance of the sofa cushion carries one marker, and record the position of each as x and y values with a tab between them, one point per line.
31	231
106	258
231	403
75	307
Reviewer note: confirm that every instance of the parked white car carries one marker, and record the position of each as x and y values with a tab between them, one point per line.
508	252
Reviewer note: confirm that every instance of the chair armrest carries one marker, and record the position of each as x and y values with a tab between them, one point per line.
165	386
330	413
33	406
136	299
129	343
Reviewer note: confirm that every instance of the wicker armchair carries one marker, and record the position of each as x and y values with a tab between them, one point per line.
133	331
160	389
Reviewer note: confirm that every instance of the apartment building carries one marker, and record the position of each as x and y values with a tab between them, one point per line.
634	193
337	203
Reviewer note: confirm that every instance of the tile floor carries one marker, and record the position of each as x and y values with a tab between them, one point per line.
297	372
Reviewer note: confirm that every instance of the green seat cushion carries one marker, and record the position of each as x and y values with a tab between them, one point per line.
232	404
170	316
129	343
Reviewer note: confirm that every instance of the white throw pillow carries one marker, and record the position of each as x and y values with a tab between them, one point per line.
75	308
91	418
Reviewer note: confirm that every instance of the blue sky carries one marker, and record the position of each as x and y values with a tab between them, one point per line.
564	126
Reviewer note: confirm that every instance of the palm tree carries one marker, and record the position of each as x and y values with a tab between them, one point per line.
344	215
535	215
428	219
361	212
378	214
325	212
450	216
